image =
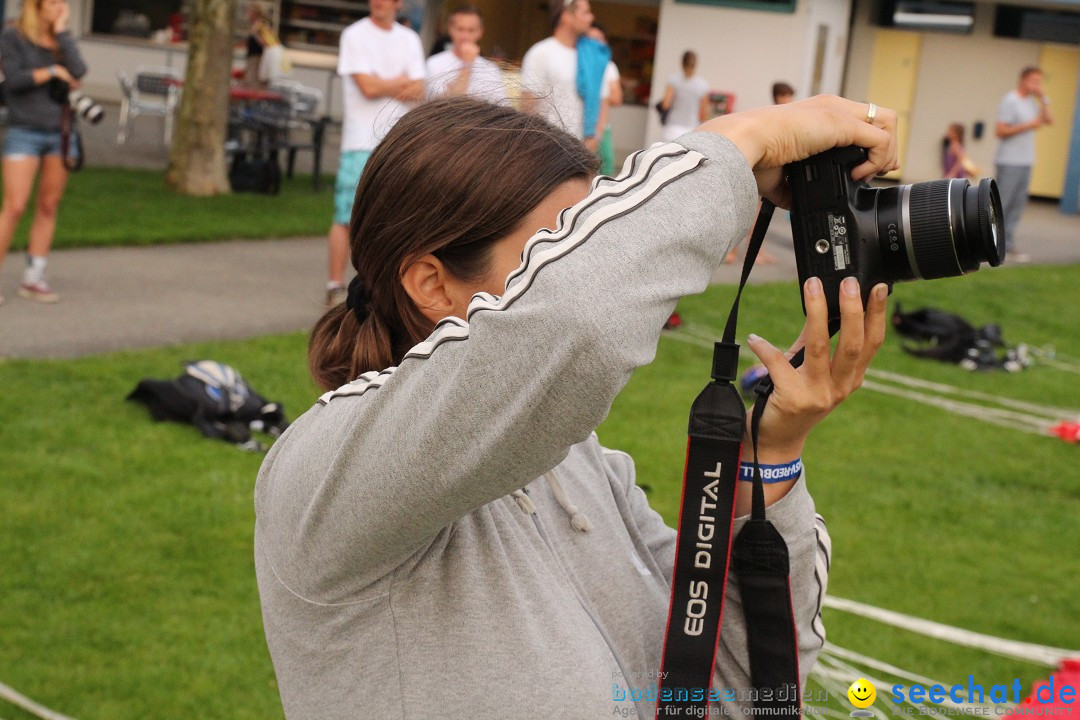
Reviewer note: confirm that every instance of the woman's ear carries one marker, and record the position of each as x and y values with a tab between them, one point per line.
427	282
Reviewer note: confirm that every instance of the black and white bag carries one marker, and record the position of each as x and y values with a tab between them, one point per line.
214	398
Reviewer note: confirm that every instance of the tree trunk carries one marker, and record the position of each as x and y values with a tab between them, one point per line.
197	156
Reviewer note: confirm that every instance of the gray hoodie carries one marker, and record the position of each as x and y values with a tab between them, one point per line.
448	539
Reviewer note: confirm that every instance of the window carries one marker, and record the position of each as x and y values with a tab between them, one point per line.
163	20
785	6
317	24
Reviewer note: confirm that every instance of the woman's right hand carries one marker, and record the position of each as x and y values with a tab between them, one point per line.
772	137
61	23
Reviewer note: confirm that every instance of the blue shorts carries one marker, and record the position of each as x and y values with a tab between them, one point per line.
350	168
23	142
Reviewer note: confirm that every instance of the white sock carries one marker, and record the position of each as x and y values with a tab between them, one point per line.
35	269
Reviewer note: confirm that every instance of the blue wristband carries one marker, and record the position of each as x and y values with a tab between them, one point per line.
772	473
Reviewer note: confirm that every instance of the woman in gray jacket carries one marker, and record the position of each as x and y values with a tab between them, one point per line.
442	535
40	64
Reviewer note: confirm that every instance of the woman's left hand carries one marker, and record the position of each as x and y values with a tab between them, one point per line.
772	137
803	396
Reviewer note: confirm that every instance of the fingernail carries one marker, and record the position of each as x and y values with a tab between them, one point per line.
850	286
752	338
881	292
813	286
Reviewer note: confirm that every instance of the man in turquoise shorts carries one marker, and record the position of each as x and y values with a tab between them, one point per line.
381	64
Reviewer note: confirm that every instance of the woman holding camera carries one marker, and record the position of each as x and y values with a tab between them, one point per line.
41	65
442	535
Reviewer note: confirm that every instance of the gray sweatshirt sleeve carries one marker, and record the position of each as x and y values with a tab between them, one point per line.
372	474
70	57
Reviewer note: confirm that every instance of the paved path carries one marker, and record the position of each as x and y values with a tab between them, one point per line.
120	298
139	297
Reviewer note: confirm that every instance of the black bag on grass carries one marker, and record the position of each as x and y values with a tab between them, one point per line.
943	336
255	175
214	398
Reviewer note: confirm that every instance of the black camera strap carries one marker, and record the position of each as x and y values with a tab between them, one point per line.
704	550
68	132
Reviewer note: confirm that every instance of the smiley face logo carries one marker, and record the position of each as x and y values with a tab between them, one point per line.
862	693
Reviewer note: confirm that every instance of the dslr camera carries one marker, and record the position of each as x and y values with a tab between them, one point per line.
927	230
62	94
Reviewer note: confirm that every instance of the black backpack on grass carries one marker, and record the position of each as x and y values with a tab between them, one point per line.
214	398
941	335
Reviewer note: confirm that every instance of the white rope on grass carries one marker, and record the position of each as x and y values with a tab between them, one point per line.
1026	417
854	673
834	675
21	701
1048	356
995	416
839	652
1049	411
1016	649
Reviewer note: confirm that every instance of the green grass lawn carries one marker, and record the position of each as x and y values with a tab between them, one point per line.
114	206
126	581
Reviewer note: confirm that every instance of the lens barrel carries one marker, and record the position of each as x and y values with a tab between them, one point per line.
950	227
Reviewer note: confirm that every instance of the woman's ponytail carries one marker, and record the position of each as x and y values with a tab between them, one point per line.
341	347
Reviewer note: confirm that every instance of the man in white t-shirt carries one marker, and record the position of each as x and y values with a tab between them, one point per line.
381	64
460	70
1022	111
549	71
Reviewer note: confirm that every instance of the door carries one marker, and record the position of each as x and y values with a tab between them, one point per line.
893	71
1061	70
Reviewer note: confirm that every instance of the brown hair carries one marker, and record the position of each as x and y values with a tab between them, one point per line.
780	89
465	10
1030	70
958	130
451	178
556	8
689	59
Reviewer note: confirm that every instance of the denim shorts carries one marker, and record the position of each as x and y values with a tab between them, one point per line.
350	167
20	142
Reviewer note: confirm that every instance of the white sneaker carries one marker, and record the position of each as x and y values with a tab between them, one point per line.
39	291
1017	257
335	296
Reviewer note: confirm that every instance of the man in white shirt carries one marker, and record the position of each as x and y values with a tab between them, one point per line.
1022	111
549	71
381	64
460	70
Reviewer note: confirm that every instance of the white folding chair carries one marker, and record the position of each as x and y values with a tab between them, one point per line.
155	90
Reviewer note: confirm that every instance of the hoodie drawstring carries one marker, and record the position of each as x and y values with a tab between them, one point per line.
577	518
524	502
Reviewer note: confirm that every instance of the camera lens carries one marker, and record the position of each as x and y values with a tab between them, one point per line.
950	227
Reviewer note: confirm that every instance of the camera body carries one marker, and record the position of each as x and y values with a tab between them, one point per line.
843	227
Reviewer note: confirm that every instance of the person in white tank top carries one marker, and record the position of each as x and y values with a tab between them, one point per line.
686	99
